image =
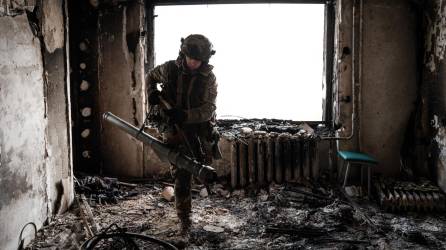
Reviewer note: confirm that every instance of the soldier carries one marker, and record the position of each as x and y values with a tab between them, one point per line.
185	100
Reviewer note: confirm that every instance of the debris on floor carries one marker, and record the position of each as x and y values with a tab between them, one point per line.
278	217
248	126
103	190
168	193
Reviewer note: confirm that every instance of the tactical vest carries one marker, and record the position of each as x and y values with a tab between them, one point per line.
184	91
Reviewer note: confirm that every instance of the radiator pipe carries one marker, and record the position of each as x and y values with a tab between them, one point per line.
354	111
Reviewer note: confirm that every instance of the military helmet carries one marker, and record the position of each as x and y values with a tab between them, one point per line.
197	47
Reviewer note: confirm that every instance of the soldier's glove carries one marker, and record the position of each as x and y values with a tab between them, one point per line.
154	97
176	115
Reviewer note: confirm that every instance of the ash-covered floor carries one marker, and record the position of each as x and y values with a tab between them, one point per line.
279	217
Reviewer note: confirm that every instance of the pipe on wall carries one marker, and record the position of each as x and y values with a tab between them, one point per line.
353	72
332	156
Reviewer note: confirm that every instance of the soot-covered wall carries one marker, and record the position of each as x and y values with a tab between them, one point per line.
434	85
376	47
35	151
121	85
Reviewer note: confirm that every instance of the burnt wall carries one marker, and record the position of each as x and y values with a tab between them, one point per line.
376	51
59	160
342	87
35	155
121	85
22	108
434	85
84	85
389	73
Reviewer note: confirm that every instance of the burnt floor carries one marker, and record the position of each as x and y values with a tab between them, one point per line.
280	217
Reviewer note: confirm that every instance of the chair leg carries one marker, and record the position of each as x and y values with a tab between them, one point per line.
361	168
346	174
340	171
369	172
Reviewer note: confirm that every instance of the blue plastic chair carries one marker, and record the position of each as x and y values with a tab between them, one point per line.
363	160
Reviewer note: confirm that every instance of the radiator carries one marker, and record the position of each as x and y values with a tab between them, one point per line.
397	196
262	158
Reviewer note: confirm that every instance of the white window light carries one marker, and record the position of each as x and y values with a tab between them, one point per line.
269	58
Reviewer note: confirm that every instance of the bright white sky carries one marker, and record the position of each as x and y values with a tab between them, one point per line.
269	57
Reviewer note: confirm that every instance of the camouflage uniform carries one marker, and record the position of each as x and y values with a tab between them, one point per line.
195	93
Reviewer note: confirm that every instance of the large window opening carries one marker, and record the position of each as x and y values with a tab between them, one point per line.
269	57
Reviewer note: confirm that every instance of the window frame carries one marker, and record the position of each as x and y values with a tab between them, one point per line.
329	24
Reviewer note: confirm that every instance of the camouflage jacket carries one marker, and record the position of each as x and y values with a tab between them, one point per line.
195	93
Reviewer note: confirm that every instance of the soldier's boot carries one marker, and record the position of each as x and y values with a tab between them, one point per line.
183	199
185	224
181	240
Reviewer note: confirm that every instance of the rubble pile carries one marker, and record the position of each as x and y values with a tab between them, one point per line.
278	217
103	190
244	127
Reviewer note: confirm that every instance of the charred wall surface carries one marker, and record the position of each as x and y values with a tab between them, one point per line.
35	157
121	84
434	85
389	72
375	77
84	88
58	104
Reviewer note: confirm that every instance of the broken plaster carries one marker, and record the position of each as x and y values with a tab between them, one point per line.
135	66
52	28
436	36
440	139
23	167
16	7
435	123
